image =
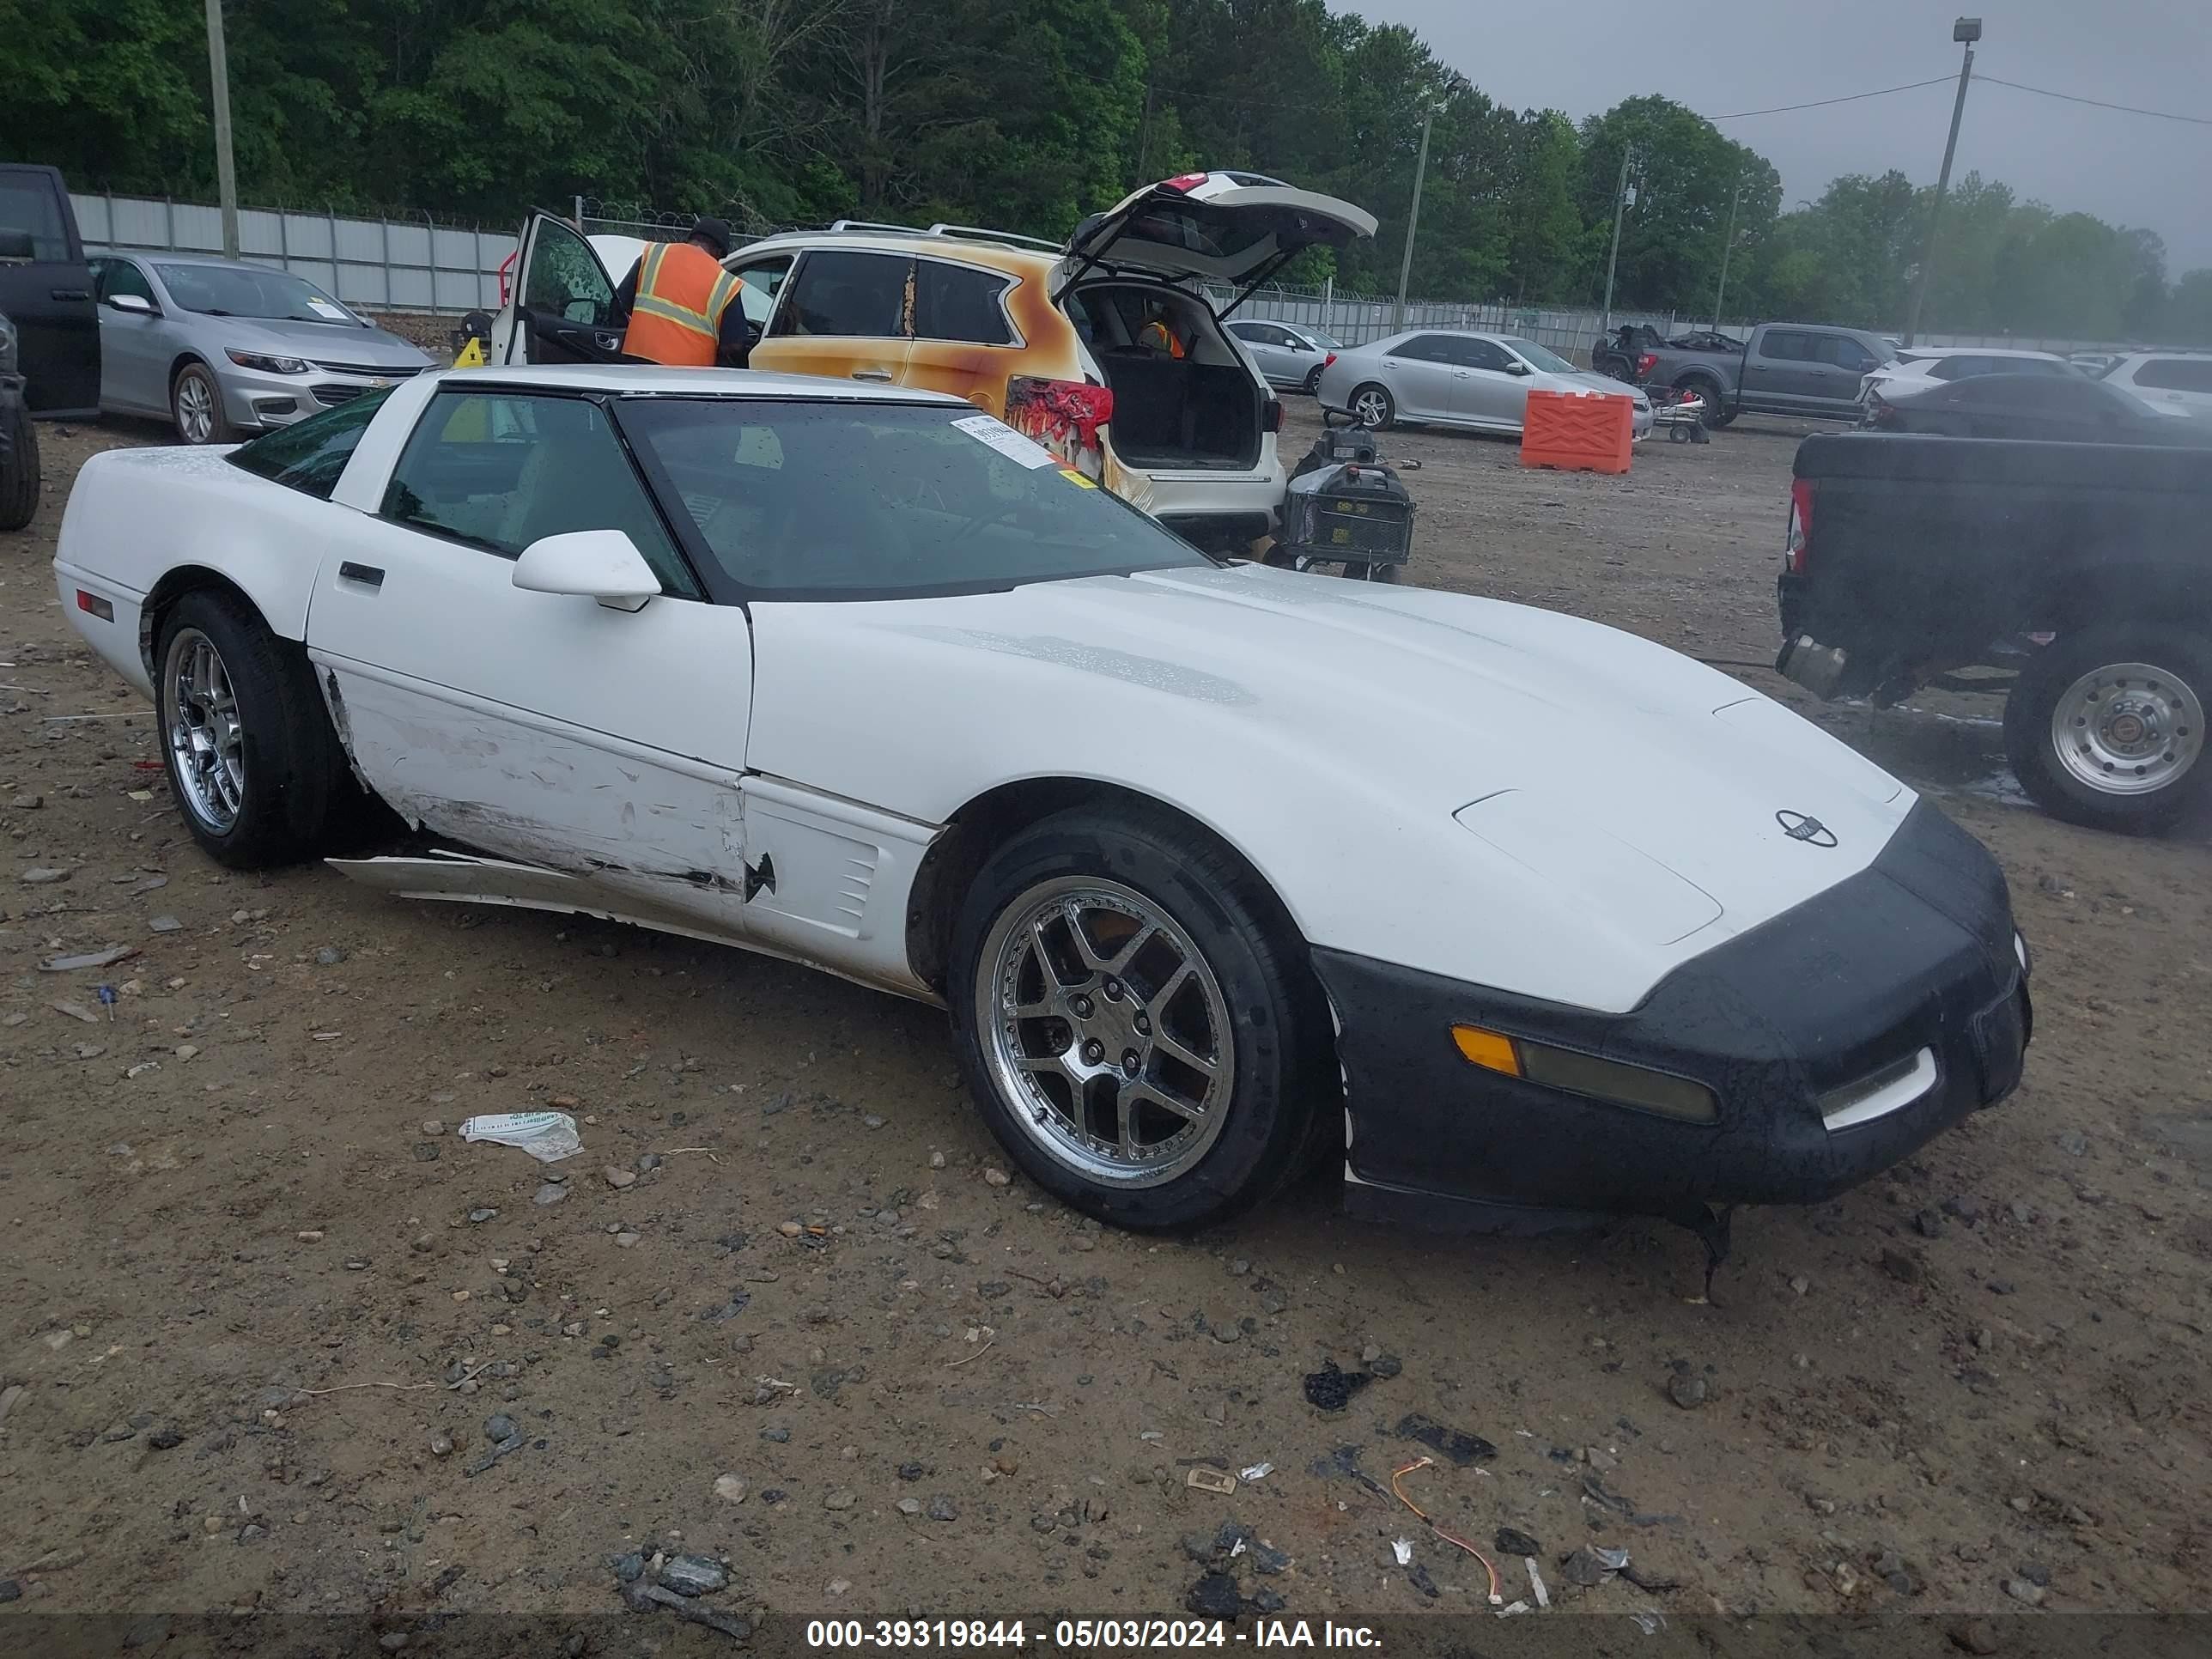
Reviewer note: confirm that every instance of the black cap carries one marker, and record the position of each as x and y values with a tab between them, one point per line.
714	233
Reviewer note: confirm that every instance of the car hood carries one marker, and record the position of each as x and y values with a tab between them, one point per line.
323	342
1398	761
1591	382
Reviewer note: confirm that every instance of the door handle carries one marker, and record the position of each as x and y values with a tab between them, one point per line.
875	376
606	341
71	293
368	575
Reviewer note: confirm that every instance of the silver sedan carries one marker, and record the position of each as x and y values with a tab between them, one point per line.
1444	377
222	348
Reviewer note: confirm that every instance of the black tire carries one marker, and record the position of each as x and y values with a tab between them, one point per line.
1620	368
1718	415
1393	573
1389	406
19	474
217	429
1312	386
2183	660
293	772
1277	1115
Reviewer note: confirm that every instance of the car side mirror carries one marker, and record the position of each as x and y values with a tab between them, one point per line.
588	564
1516	366
137	305
17	245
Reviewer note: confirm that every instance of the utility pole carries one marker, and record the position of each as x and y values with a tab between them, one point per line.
1727	246
1412	224
1966	30
225	172
1619	202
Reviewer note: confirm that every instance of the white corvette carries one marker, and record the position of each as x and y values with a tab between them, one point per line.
1216	866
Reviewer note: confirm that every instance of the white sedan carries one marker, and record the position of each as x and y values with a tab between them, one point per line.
1218	868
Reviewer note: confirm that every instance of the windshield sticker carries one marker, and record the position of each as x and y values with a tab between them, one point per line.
990	431
323	307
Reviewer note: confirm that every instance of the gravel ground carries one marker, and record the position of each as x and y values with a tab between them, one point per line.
265	1318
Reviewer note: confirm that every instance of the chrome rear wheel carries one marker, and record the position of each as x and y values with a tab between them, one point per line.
201	724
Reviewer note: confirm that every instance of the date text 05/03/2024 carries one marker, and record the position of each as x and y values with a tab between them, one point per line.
1102	1635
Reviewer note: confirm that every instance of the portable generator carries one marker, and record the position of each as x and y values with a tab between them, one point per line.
1346	506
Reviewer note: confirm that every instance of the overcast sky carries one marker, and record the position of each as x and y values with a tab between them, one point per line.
1721	55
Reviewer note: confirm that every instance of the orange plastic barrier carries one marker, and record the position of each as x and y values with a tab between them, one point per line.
1577	434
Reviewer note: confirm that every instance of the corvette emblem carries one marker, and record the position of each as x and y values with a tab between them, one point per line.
1798	827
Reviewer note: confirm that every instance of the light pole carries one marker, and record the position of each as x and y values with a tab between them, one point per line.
1619	202
1412	224
1966	30
226	174
1727	246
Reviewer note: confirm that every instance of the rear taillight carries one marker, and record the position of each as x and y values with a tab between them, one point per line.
1270	418
1329	359
1184	181
1800	524
1646	363
1880	413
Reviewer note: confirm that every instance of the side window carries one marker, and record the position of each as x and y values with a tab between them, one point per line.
27	202
954	302
1425	349
1844	352
1481	354
2176	374
309	455
1783	346
759	283
112	277
564	276
499	471
858	295
1949	368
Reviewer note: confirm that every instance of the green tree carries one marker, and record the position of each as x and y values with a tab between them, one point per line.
1682	171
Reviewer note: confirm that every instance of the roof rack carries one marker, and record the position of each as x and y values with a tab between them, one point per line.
972	233
962	233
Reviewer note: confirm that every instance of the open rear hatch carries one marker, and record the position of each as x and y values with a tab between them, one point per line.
1202	408
1237	228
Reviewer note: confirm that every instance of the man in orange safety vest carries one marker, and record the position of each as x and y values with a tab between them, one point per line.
682	308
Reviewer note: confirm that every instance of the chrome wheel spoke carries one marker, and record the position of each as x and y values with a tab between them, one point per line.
1175	1050
1143	1092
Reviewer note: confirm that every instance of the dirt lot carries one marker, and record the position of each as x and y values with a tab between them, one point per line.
248	1259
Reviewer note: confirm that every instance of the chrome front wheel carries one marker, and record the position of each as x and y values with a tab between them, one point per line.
1372	408
1106	1031
201	724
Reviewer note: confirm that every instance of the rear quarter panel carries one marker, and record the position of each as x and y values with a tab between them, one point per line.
135	515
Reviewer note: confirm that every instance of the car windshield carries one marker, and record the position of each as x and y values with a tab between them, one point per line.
879	500
1550	362
1322	340
244	291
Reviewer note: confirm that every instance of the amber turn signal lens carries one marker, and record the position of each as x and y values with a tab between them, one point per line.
1487	1049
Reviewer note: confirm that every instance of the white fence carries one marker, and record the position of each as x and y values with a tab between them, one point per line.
1358	318
379	265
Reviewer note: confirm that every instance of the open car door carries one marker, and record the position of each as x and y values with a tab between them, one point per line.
563	304
1234	227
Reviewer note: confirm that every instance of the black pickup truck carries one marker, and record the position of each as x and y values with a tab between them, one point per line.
2085	567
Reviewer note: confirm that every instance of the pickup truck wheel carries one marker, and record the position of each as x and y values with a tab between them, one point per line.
245	740
1703	386
1136	1020
19	473
2106	727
